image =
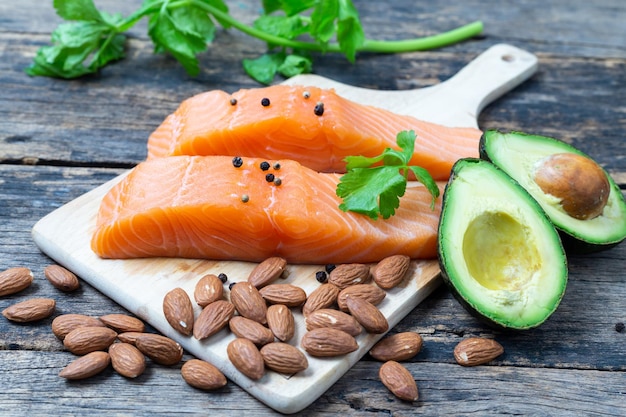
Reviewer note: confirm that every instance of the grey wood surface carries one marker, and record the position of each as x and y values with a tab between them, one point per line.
59	139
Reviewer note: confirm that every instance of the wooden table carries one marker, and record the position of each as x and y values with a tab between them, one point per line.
59	139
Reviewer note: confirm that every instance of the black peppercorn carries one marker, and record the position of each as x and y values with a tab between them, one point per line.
276	166
277	181
265	102
265	166
232	284
237	162
233	101
329	268
223	277
321	276
269	177
319	109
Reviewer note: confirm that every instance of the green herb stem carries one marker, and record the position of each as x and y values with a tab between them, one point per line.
428	42
408	45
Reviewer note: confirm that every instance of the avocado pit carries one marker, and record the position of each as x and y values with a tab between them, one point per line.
577	181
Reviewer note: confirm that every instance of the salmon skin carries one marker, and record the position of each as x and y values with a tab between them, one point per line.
313	126
205	207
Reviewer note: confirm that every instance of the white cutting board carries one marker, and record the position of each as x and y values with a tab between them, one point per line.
140	285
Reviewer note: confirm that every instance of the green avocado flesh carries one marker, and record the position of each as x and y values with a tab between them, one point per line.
518	153
498	251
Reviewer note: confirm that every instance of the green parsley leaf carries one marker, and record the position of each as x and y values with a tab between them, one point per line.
372	191
323	20
375	190
176	32
79	48
77	10
264	68
271	6
294	65
288	27
290	7
350	35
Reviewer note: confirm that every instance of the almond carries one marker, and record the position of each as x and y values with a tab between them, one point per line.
86	366
267	271
30	310
65	323
160	349
249	302
129	337
327	317
391	271
14	280
123	323
368	292
245	356
326	342
323	296
398	380
61	278
281	322
287	294
209	288
127	360
477	351
83	340
398	347
213	318
349	274
368	315
202	375
251	330
284	358
178	311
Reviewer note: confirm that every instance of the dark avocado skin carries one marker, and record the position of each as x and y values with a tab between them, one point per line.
571	243
575	246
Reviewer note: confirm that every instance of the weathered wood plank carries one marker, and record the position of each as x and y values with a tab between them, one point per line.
31	387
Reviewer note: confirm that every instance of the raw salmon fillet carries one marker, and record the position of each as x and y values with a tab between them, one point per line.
286	125
193	207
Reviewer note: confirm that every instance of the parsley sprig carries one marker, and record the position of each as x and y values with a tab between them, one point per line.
374	189
91	38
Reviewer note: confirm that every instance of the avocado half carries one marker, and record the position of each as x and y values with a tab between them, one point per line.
498	252
518	154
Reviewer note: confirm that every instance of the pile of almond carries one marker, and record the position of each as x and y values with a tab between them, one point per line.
121	341
258	312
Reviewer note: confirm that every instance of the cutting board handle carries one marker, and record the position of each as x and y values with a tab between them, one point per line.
489	76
